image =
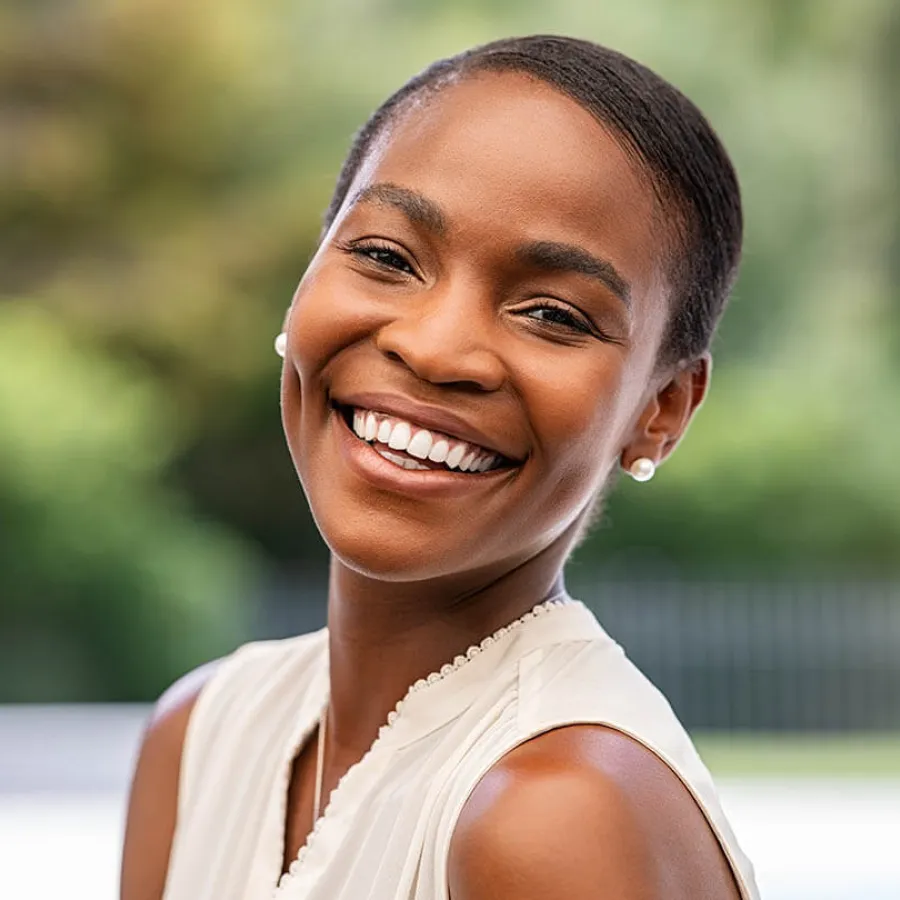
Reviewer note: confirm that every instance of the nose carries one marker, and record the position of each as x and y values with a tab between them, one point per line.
446	338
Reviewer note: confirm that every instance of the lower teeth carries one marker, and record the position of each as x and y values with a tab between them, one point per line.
403	461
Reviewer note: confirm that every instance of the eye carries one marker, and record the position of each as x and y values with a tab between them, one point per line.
560	317
382	255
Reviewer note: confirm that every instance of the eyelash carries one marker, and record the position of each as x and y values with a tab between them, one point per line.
574	322
367	250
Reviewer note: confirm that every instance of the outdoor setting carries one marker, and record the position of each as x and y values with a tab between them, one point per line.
164	170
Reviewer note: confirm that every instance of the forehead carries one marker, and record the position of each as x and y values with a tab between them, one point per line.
510	158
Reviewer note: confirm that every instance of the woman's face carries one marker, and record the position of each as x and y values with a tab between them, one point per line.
494	273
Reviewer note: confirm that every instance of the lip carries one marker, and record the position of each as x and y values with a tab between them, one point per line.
368	464
430	417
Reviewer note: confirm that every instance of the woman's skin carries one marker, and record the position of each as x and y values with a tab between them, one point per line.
443	282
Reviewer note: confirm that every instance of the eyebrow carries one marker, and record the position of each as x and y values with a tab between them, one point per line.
416	207
552	256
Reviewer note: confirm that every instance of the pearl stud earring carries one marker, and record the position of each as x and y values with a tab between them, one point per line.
281	344
642	469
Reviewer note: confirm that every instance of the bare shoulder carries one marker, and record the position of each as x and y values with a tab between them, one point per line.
153	800
585	812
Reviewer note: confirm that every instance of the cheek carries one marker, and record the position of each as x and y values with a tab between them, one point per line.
327	316
581	416
316	327
323	318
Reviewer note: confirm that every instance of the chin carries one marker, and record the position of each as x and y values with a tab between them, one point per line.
384	546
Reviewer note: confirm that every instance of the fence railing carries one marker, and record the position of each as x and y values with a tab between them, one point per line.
732	656
762	656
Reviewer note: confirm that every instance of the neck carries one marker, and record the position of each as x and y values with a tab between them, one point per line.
384	636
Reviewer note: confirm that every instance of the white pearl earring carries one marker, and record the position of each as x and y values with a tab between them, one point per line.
642	469
281	344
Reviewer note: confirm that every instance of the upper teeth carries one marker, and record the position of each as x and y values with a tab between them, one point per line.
422	443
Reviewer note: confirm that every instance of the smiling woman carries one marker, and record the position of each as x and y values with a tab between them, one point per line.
525	258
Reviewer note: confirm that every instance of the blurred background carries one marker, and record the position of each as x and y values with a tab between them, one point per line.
163	170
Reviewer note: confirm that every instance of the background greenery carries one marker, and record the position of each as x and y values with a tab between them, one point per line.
163	169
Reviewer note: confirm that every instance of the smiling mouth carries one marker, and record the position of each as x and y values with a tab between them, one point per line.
413	447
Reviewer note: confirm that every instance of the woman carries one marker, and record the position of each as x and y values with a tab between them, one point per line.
526	255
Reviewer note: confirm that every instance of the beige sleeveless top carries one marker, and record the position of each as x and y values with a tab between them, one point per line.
386	831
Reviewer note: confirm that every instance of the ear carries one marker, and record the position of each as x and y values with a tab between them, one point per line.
667	414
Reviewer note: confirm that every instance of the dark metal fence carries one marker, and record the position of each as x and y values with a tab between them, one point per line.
732	656
797	657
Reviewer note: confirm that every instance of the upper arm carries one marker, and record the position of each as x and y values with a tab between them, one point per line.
585	813
153	800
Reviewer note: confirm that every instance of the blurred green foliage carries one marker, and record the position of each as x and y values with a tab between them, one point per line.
109	584
163	169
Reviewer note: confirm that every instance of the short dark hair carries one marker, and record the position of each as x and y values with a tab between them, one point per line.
666	133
